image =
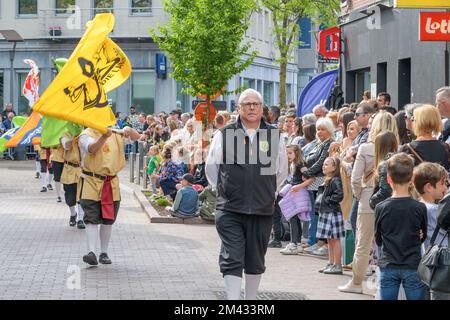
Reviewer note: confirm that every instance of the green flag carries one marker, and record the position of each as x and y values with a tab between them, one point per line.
18	121
53	130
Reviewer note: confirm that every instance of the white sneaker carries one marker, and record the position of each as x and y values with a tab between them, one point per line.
349	287
312	248
291	249
322	251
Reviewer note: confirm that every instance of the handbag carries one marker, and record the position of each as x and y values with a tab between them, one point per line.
434	267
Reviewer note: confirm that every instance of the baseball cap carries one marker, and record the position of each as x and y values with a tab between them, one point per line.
188	177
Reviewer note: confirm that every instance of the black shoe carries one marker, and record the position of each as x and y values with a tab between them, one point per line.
90	259
38	175
104	259
274	244
49	187
58	199
44	189
80	224
73	221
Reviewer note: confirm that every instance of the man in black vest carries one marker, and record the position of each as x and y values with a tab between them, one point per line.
247	161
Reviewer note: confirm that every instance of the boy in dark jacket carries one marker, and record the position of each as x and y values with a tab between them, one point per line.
400	229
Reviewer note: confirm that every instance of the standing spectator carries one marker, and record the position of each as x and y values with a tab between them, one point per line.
133	117
140	127
160	135
274	114
427	126
384	100
153	166
7	124
184	118
400	228
7	110
331	222
119	120
431	182
289	129
298	129
402	127
320	111
246	192
386	145
362	181
443	101
175	116
366	96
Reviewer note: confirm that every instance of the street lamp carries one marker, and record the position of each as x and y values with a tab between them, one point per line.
14	37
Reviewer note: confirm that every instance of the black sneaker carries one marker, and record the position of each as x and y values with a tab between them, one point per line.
90	259
44	189
73	221
274	244
49	187
104	259
80	224
58	199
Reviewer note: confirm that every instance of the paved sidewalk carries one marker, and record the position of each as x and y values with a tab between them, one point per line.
41	254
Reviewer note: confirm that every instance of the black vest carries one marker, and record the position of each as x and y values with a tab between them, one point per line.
247	177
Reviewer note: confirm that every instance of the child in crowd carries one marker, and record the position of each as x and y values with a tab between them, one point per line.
296	165
400	229
153	166
185	204
431	181
331	221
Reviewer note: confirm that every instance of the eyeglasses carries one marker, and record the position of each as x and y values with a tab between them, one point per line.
408	117
247	105
357	114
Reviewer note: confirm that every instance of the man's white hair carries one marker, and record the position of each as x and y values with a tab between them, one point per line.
320	107
248	92
444	92
309	118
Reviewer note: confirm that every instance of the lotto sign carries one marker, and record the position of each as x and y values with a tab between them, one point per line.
434	26
422	4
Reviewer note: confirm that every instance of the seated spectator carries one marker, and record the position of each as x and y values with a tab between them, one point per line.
185	204
208	203
199	168
169	174
153	166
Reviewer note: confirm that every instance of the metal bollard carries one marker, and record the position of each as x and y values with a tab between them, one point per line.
131	157
138	171
144	175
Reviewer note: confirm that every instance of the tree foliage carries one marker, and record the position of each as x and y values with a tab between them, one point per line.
204	41
286	16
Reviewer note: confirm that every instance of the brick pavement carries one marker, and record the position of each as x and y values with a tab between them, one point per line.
40	252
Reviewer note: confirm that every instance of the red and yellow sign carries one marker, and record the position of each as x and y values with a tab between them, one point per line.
434	26
424	4
330	43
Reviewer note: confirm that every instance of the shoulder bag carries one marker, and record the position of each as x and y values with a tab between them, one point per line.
434	267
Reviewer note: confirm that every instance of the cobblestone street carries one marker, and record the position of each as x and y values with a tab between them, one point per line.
40	256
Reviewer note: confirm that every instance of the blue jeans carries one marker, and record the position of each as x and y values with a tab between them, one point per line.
354	216
390	280
313	223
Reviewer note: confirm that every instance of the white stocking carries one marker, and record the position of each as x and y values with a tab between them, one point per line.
105	236
233	287
251	286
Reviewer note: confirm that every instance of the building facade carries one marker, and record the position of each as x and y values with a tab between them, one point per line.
52	28
382	53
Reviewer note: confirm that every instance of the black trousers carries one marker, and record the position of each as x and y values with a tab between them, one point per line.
276	221
244	242
57	170
44	167
70	194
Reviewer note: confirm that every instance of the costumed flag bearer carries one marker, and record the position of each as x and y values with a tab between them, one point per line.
102	158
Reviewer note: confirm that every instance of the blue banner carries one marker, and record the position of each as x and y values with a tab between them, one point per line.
316	92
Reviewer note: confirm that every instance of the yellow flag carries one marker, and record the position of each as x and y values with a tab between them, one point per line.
97	66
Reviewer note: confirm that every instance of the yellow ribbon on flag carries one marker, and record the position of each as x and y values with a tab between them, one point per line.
96	66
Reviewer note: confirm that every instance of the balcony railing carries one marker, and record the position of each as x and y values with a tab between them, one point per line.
68	23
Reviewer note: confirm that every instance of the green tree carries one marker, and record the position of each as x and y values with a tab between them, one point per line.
204	41
286	15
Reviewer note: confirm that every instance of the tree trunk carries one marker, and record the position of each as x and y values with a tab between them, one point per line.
282	96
